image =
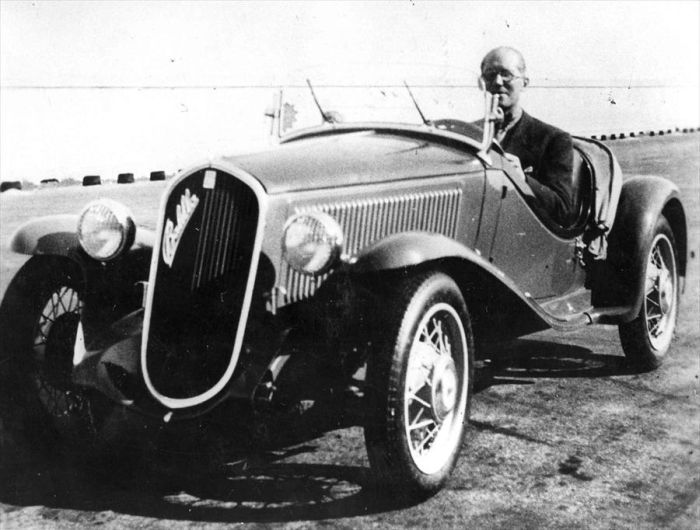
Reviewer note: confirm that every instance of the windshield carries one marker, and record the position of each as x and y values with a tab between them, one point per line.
299	106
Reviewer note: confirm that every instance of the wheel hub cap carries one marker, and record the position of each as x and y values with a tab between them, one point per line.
444	387
59	350
665	293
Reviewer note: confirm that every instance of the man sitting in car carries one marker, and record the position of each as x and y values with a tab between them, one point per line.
542	151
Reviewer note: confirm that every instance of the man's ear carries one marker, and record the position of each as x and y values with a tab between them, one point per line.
526	81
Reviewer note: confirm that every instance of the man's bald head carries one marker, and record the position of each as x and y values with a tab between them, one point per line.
501	53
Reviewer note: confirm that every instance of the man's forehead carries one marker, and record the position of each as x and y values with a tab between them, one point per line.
506	59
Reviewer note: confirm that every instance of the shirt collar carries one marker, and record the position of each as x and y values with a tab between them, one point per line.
514	118
505	127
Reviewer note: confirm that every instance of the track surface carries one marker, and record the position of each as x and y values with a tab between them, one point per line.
562	436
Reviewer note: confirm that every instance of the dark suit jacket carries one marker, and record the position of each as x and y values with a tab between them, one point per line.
549	152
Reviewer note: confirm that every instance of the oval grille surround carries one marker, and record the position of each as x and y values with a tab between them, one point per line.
197	305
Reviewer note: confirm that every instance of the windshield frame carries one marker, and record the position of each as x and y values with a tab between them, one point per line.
490	116
328	123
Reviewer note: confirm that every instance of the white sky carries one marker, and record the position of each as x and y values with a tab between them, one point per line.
70	132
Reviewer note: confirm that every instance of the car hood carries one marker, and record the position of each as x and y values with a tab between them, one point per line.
352	158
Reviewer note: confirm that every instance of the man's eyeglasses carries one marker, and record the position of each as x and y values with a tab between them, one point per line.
506	76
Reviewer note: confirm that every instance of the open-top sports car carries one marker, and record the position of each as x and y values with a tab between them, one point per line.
387	249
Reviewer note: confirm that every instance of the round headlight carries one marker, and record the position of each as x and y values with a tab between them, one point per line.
105	229
312	242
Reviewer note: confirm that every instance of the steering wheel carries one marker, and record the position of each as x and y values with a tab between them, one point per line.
472	130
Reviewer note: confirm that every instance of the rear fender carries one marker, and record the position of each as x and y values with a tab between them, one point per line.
620	279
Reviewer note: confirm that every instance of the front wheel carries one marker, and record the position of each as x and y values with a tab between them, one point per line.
40	321
646	339
419	381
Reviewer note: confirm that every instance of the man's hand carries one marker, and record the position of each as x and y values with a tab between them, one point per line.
518	175
498	114
516	162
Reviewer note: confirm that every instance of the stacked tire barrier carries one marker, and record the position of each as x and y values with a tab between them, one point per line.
157	175
655	132
10	185
92	180
125	178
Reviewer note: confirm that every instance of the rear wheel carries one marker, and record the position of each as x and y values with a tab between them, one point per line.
646	339
419	386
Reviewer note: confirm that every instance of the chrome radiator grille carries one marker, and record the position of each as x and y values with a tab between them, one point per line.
365	221
229	217
204	263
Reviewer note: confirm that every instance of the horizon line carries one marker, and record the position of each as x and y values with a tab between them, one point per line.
272	86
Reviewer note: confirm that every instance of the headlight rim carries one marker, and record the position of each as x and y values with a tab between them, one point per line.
331	227
125	220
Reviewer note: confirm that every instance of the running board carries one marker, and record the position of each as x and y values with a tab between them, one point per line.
574	310
609	315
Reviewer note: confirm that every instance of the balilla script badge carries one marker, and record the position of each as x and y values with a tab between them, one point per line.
173	231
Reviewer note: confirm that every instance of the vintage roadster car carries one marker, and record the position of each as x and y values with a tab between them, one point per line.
392	249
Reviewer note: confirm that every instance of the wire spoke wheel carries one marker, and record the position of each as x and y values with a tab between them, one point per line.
646	339
435	393
54	337
660	295
40	319
419	385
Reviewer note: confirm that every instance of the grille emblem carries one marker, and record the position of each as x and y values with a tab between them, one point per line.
209	179
173	231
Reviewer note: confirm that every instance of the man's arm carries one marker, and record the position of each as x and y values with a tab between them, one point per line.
552	184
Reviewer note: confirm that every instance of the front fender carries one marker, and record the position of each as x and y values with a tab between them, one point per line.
410	249
53	235
642	201
56	235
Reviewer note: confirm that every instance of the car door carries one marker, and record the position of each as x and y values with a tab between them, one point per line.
542	264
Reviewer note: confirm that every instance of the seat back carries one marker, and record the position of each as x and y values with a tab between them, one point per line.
582	190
